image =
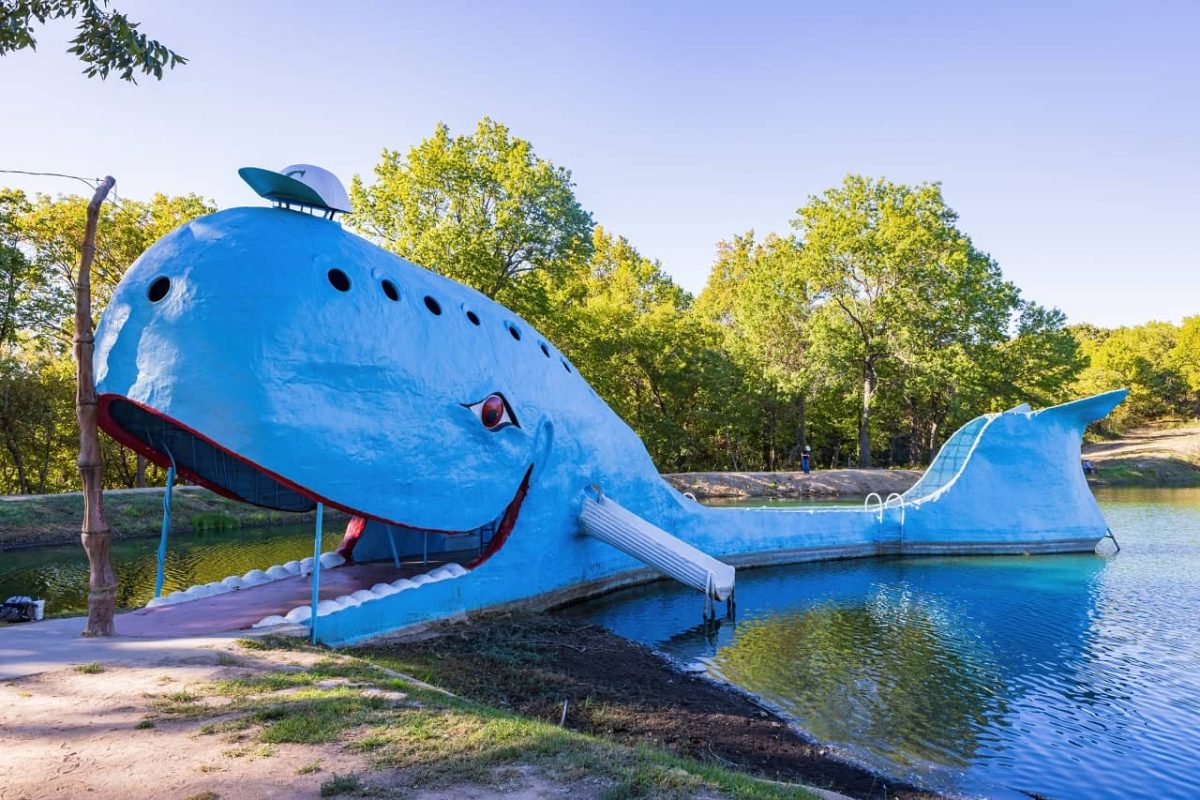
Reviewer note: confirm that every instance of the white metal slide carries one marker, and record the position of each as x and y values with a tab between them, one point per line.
611	523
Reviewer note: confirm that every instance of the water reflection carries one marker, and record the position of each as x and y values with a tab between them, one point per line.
1072	676
60	574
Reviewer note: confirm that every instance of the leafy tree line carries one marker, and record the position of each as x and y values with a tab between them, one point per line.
869	331
39	255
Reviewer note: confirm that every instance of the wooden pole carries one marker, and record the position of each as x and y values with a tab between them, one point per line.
96	535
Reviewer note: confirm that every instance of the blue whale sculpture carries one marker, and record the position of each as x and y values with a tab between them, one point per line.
278	359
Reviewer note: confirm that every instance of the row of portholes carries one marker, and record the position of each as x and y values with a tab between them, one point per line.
340	281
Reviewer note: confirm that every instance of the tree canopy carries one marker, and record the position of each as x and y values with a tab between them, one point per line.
105	41
482	208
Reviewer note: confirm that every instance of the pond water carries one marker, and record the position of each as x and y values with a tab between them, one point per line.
60	574
1072	676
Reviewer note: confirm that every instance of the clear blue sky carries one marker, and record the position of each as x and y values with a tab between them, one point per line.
1068	138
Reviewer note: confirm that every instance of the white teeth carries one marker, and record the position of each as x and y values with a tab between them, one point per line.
357	598
254	577
330	560
327	607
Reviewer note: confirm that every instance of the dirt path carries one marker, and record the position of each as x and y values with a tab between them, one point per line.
69	734
1150	456
822	483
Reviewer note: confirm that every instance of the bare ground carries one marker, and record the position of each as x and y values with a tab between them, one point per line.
69	734
1149	456
822	483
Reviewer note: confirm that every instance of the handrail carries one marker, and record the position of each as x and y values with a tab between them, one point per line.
867	503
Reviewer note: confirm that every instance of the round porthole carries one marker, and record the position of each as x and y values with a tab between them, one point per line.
338	280
566	366
390	290
513	331
432	305
473	317
545	350
158	289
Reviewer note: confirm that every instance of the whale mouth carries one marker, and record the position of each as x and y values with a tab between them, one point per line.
165	441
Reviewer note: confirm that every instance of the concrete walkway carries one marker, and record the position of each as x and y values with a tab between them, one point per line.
35	647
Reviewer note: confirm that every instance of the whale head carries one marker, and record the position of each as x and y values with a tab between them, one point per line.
278	359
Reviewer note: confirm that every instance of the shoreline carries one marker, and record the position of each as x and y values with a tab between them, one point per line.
28	521
46	520
532	662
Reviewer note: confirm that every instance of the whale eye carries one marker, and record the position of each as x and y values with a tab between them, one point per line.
493	412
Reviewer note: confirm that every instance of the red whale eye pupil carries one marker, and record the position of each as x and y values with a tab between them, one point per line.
492	412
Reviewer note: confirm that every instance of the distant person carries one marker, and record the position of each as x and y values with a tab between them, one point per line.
806	459
1088	469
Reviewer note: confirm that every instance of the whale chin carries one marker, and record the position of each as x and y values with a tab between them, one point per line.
166	441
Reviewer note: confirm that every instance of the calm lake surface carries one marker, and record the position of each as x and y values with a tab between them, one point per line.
60	574
1073	676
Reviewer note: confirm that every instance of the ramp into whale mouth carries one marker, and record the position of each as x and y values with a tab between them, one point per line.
230	604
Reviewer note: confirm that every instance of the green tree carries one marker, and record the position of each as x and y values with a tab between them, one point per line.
39	254
760	296
1142	359
483	209
890	270
106	41
1185	359
627	327
51	230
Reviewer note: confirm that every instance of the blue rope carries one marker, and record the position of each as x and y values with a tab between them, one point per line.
166	528
316	581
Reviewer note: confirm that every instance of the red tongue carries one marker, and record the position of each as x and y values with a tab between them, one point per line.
354	530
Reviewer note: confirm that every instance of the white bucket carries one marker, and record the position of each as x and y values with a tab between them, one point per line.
39	609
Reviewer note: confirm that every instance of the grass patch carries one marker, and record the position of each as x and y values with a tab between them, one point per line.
91	668
54	518
204	796
340	784
145	724
214	521
309	768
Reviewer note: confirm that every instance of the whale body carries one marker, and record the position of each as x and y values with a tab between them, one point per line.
280	360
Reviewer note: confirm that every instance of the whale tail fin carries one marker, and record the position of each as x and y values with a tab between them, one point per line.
1083	412
1011	480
